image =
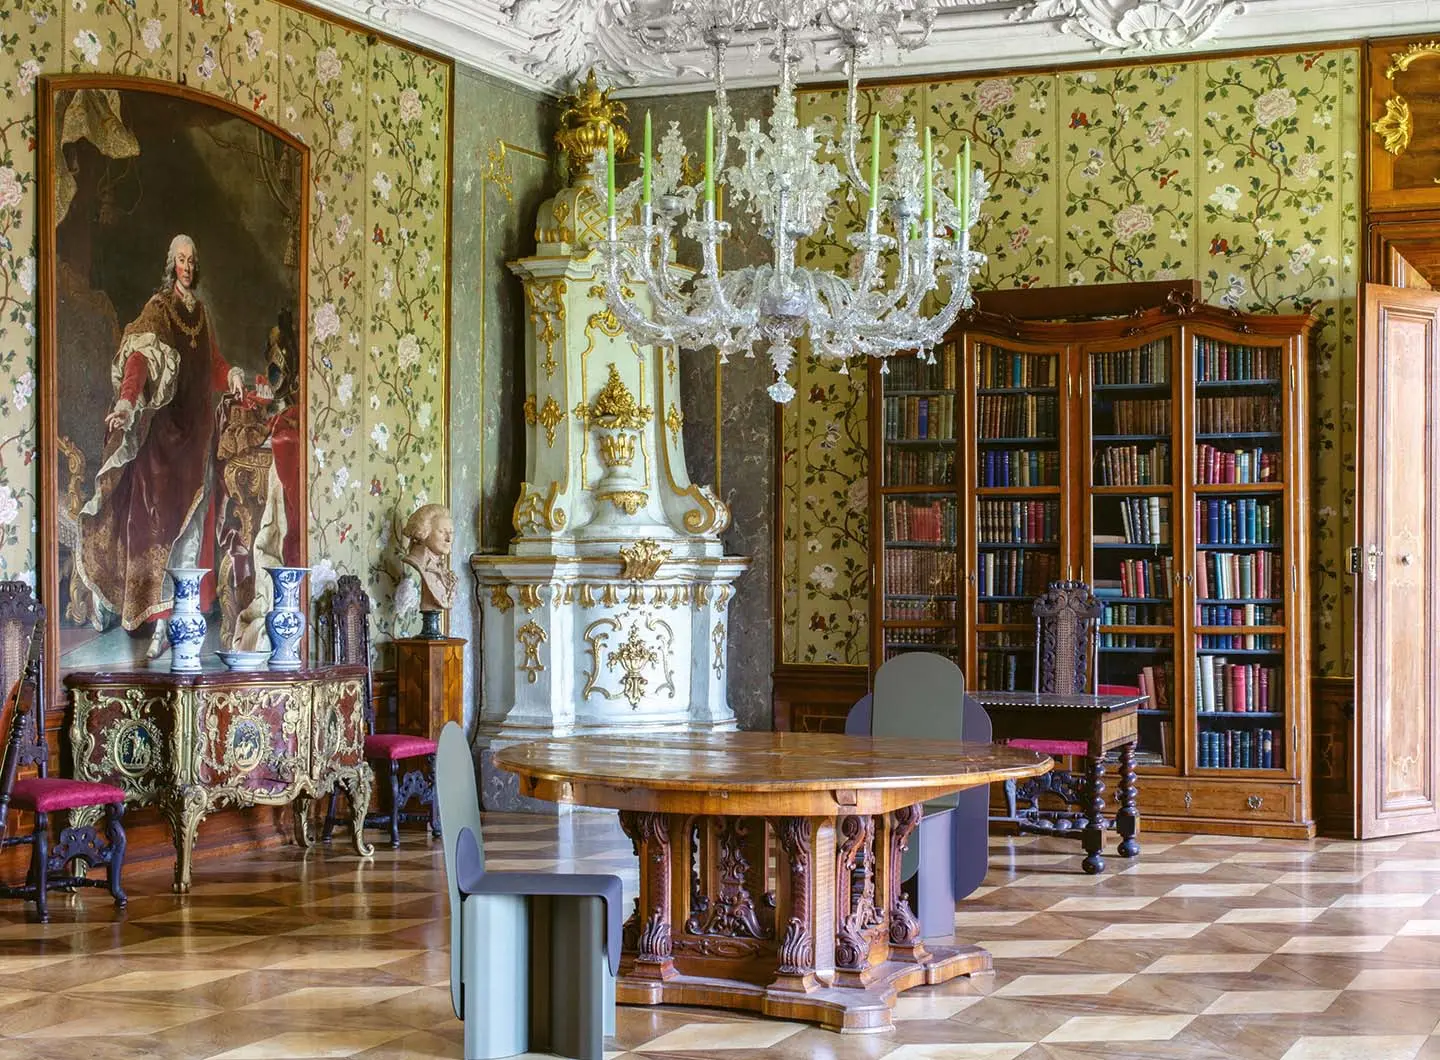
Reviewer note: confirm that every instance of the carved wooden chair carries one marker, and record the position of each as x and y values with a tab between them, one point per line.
348	616
22	673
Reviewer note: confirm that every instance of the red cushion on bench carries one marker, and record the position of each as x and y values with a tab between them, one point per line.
393	746
49	794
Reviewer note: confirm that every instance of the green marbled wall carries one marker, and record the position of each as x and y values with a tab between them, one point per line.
376	117
1242	172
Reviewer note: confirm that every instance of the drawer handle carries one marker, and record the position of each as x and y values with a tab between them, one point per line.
1188	799
1255	801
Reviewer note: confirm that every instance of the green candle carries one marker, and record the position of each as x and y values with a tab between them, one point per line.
645	165
610	165
929	182
875	164
710	154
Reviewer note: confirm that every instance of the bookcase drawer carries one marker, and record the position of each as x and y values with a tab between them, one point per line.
1235	799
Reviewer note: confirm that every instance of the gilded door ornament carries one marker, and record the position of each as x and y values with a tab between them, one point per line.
717	638
641	560
547	308
1402	61
548	417
531	636
1395	126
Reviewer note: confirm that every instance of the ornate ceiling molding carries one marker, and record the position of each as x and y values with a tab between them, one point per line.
545	44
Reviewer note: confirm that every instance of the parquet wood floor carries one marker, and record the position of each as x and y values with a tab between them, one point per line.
1210	947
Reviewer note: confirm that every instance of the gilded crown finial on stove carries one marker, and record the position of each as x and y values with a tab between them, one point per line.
585	115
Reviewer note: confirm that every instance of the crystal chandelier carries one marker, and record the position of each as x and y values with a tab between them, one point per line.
889	301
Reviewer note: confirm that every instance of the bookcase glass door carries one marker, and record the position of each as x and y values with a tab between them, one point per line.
1018	516
921	600
1239	620
1131	556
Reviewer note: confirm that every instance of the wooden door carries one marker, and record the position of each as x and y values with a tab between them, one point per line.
1397	772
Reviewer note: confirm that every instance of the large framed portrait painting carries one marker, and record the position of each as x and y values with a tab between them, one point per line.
173	248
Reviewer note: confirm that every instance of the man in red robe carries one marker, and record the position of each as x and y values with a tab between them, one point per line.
151	501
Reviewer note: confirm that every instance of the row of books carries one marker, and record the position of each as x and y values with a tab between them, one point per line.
1004	671
1243	521
934	521
912	373
913	571
1136	615
1241	642
1224	687
1239	615
1018	416
1007	613
999	368
1237	415
1130	465
926	467
1005	638
1238	749
1152	681
1019	467
1217	361
1019	522
1146	521
1237	575
919	635
920	418
1148	641
1139	577
1149	363
1222	467
949	651
1016	573
1149	416
928	609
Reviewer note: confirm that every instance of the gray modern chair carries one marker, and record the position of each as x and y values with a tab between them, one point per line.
921	695
533	955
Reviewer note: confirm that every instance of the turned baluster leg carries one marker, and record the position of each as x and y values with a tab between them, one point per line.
1094	833
1127	821
40	866
116	864
650	834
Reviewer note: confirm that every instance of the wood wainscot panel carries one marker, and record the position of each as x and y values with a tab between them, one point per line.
1332	758
1403	124
816	698
148	840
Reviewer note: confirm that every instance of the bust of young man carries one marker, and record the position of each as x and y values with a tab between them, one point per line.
431	531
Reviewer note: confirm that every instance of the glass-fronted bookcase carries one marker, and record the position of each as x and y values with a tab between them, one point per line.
1162	460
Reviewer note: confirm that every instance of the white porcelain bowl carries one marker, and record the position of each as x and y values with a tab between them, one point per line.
245	660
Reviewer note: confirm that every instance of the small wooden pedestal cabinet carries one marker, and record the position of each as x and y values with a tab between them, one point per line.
429	680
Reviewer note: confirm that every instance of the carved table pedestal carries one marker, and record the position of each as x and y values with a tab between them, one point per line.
827	935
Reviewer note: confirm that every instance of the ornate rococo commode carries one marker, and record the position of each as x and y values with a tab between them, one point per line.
193	742
609	613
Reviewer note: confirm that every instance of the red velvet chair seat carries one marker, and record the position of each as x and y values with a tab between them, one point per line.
50	794
1053	747
393	746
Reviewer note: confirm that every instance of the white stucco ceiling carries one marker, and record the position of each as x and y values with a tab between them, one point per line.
546	44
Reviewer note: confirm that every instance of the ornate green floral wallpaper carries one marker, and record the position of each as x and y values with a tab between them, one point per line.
376	117
1242	172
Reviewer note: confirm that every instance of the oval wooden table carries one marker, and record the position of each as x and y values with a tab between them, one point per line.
769	862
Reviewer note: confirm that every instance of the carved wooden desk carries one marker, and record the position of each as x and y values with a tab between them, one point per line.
827	935
1102	724
190	743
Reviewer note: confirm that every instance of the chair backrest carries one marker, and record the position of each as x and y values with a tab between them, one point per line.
20	616
919	695
1067	619
25	740
458	802
349	618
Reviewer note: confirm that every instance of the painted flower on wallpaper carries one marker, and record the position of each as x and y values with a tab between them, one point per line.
152	35
88	45
423	416
254	42
345	135
382	184
1275	105
824	576
26	75
1022	151
1306	167
857	497
327	322
24	387
9	506
1234	292
1227	197
327	65
205	68
1300	258
407	351
993	93
12	192
407	597
410	105
1156	130
1132	221
323	577
380	435
345	389
339	480
342	228
25	274
1019	237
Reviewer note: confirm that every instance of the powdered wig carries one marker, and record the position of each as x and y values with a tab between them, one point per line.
422	521
167	281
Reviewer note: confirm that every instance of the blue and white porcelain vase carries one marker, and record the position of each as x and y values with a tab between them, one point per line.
186	628
284	622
